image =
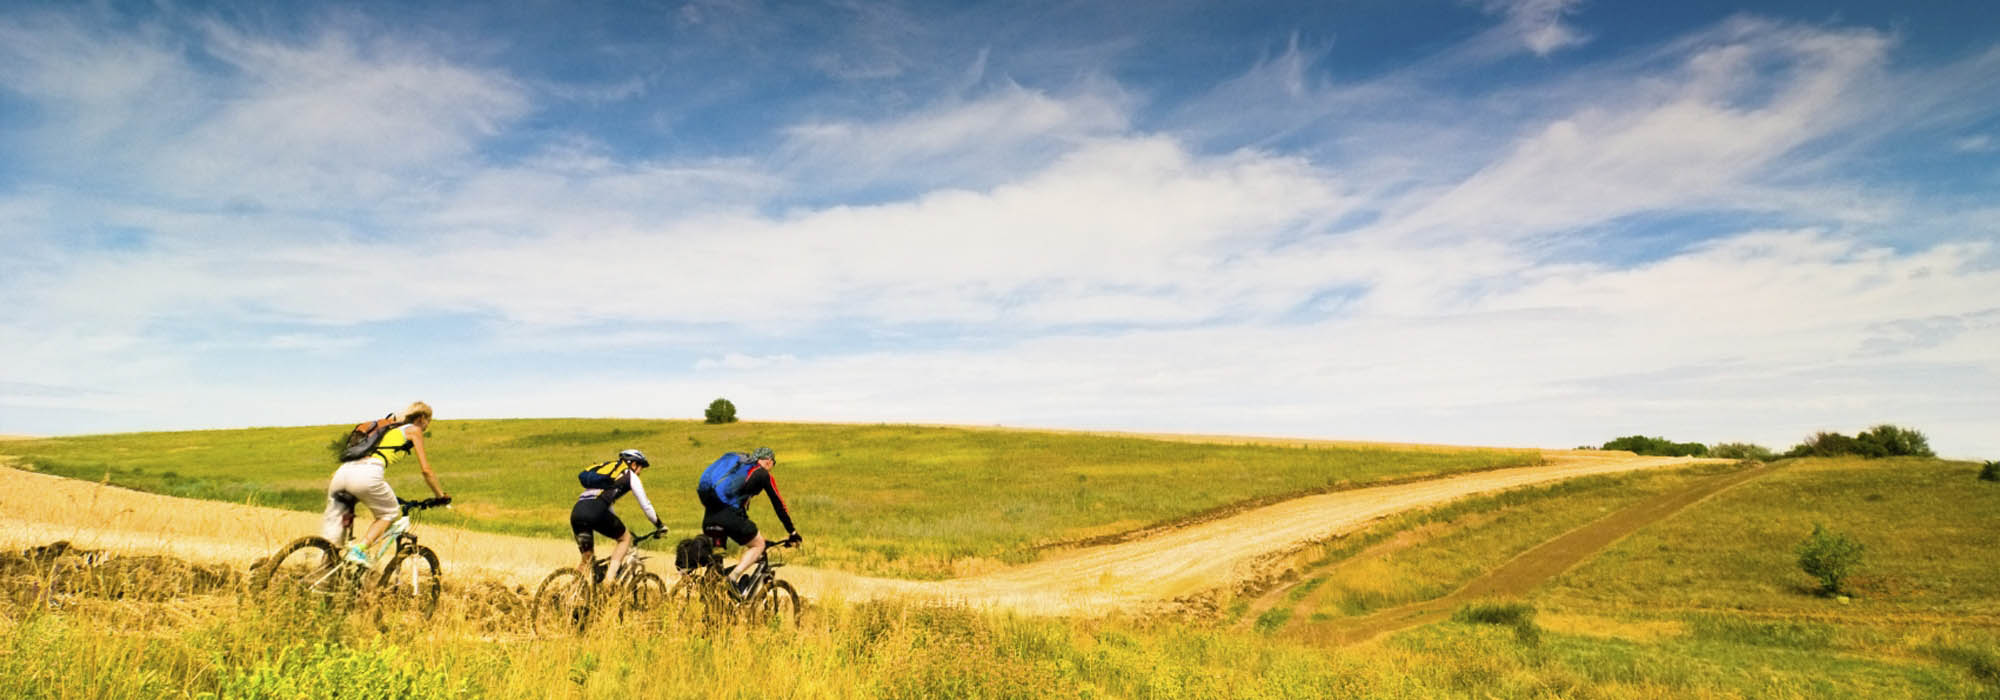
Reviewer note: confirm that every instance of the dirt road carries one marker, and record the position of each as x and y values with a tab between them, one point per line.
38	508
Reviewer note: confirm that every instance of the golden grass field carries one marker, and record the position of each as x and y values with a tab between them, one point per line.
1702	601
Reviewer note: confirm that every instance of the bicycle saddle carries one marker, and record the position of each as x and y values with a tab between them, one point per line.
345	498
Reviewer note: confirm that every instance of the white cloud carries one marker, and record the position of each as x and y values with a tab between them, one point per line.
1977	143
1403	277
1687	142
315	342
1538	24
740	361
984	139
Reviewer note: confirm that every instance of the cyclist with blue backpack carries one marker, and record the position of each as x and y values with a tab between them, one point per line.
725	491
603	484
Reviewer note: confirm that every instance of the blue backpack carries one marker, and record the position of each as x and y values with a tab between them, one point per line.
722	478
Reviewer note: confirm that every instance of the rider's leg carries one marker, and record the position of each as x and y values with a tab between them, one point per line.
586	540
332	522
751	552
373	490
375	530
618	556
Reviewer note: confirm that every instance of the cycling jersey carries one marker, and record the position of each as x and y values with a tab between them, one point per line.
395	445
627	482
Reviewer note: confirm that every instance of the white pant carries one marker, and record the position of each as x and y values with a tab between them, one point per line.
362	478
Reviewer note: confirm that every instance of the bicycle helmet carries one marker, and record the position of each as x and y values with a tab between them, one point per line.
635	457
764	453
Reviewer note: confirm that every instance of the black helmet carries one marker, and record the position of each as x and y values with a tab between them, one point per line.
635	457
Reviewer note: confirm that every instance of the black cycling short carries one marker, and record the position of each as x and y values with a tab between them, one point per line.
729	522
590	515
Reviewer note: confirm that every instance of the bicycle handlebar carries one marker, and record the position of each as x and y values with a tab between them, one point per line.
649	535
425	504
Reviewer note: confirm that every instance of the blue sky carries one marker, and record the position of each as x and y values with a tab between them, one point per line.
1510	222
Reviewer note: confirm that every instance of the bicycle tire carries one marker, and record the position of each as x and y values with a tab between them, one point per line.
690	604
408	587
777	605
647	592
564	603
308	565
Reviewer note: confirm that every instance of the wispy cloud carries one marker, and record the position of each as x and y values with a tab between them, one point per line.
1538	24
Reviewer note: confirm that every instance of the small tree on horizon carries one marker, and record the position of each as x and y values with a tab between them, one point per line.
1829	557
720	411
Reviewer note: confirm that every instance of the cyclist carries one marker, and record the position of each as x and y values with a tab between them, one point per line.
725	491
363	479
592	512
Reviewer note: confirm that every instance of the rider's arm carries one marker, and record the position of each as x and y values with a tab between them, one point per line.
760	480
645	504
416	436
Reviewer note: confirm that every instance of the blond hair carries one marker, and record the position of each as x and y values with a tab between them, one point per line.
417	410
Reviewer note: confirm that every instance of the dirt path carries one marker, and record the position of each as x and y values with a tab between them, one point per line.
1531	568
38	508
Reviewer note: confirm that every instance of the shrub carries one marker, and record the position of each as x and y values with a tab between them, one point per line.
1880	441
1829	557
720	411
1742	450
1518	615
1892	441
1991	472
1824	444
1657	446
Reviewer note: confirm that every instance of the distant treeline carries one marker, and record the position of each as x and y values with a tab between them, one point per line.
1880	441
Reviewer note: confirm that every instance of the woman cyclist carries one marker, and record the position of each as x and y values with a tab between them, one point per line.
364	480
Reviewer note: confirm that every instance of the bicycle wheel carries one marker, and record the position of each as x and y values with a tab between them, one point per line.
647	593
307	566
777	605
689	604
409	586
563	603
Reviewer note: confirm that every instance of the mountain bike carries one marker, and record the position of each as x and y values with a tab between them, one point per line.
407	586
704	596
565	603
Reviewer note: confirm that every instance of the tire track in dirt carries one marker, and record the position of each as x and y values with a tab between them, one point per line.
1141	575
1528	569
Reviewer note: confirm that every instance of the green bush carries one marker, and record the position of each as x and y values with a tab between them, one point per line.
1880	441
1742	450
1991	472
1892	441
1518	615
1829	557
1657	446
720	411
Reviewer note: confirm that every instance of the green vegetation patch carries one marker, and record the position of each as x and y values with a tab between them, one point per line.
1928	531
896	500
1471	536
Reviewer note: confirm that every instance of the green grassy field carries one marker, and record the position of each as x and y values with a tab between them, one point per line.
1706	603
1435	551
1931	529
881	499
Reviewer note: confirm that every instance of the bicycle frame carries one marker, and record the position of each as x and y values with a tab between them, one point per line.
634	563
393	540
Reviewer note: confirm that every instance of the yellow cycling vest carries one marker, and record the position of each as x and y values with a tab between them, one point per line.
395	445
